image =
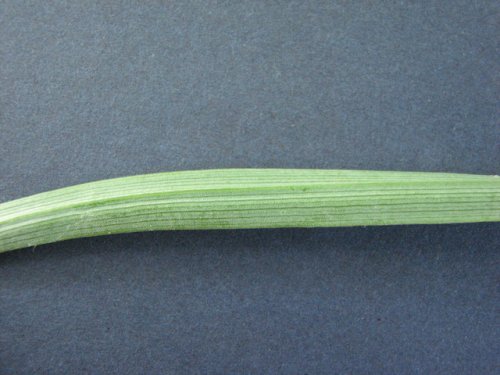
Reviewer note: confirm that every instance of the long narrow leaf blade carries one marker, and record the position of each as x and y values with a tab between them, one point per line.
247	198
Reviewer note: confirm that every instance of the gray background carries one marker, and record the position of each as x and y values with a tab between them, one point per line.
92	90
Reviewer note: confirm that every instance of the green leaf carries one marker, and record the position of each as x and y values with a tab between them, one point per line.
248	198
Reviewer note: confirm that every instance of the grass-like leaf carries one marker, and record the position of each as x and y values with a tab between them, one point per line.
247	198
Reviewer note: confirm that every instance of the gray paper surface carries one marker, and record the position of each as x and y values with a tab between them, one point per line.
92	90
